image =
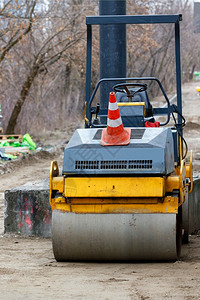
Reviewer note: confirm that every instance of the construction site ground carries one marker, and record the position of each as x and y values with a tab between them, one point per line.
28	269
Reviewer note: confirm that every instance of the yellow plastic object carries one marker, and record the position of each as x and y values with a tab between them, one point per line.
122	104
189	173
198	89
54	172
85	109
114	187
182	181
131	103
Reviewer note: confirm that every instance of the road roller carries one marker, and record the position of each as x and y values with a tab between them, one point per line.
123	191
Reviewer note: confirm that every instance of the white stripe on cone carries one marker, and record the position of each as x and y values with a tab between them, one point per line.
113	106
114	123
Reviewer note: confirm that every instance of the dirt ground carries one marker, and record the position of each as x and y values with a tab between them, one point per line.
28	269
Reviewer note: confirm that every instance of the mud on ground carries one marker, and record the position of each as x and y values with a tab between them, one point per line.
28	269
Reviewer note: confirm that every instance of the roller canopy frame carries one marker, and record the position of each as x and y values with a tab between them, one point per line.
140	19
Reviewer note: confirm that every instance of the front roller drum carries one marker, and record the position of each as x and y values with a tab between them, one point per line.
115	237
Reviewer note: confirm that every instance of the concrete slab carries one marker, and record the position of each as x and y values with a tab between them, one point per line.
27	210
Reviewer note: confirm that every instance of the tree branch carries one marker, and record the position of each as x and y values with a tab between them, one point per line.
12	42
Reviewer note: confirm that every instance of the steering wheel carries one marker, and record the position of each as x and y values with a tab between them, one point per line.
124	88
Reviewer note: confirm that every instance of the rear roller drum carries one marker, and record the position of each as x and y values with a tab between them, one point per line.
115	237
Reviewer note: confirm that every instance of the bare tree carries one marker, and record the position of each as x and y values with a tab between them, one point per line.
43	73
16	19
46	47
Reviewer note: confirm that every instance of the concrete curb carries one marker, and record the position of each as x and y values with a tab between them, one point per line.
27	210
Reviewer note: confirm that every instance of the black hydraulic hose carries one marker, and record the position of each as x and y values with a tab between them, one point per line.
180	125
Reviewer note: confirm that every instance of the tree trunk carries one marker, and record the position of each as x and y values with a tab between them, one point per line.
20	102
192	72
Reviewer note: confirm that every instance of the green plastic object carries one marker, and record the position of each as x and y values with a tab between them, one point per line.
4	144
196	76
16	144
11	156
27	141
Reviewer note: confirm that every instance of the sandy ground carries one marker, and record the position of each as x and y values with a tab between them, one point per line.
28	269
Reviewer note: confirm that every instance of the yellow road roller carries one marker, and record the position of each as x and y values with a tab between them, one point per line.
123	191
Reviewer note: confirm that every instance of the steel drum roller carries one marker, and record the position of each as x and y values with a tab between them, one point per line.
110	237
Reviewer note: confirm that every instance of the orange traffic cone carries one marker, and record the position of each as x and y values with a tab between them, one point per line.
115	133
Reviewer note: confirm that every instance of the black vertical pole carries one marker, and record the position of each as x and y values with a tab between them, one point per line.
88	68
112	47
178	72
